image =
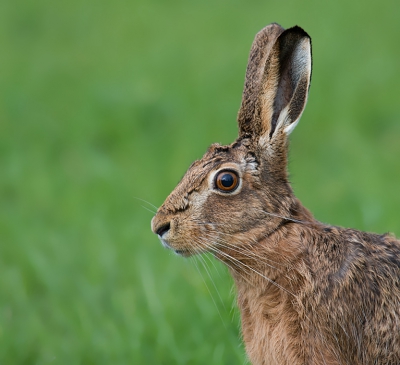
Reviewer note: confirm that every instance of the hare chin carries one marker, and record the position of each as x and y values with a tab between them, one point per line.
180	252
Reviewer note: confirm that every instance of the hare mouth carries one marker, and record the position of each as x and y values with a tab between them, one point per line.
180	252
165	243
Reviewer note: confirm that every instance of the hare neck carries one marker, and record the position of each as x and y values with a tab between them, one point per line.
273	260
267	291
274	265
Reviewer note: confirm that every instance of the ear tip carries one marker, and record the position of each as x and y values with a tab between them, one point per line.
273	25
273	28
298	31
278	30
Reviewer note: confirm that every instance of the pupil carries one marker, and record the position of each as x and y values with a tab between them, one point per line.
227	180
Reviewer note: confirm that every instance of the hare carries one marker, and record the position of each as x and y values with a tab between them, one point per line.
308	293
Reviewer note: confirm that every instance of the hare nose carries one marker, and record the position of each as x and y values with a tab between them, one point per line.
163	229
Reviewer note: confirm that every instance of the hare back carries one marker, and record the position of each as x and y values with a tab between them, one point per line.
358	285
344	305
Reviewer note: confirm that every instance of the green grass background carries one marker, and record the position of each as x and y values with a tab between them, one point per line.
103	102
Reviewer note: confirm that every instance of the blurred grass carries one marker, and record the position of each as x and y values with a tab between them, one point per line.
105	102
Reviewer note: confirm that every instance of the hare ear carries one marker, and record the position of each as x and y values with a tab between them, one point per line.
277	81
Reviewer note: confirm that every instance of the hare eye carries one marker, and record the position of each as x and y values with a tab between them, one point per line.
226	181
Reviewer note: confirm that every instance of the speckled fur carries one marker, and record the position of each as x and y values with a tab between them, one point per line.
308	293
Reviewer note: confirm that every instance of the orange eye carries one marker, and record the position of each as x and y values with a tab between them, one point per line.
226	181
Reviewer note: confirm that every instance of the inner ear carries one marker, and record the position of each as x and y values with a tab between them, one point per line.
294	62
284	93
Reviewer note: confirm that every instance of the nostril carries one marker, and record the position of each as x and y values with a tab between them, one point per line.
163	229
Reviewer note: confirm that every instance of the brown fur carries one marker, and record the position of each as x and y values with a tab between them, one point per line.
308	293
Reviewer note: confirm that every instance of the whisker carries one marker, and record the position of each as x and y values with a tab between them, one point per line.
234	263
238	262
145	201
246	252
212	281
251	257
208	289
283	217
250	268
255	271
213	263
243	249
149	210
209	224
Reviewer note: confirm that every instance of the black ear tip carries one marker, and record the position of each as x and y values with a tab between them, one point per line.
298	31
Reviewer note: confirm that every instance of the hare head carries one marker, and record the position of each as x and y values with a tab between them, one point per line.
241	191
